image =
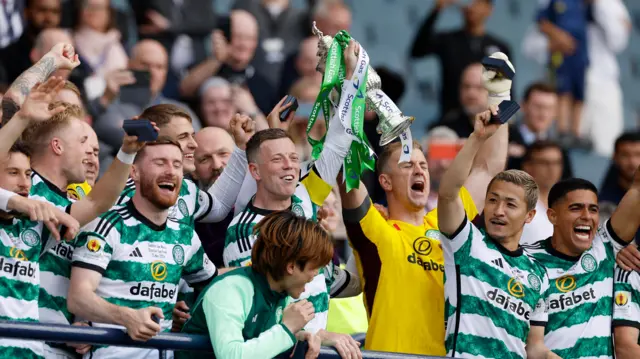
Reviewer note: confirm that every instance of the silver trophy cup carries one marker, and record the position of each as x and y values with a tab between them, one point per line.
391	121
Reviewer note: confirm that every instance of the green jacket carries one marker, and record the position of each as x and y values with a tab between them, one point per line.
242	316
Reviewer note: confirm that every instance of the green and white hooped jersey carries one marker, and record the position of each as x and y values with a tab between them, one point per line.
55	261
626	299
579	296
20	246
239	241
141	265
192	205
491	296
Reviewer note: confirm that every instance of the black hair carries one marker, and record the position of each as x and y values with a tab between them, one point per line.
563	187
631	136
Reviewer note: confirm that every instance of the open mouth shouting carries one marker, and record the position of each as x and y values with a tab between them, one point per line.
288	178
418	186
167	187
583	231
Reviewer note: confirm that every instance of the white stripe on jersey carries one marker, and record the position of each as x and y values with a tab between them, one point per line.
20	308
566	337
482	327
62	284
36	346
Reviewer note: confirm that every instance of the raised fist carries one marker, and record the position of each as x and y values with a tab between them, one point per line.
498	85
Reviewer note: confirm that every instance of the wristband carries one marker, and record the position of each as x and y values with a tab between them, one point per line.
125	157
5	196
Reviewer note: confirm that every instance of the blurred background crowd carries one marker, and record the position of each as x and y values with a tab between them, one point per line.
575	73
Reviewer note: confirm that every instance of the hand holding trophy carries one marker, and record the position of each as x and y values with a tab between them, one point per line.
364	92
497	77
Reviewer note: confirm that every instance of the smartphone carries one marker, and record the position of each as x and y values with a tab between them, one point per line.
290	99
138	93
141	128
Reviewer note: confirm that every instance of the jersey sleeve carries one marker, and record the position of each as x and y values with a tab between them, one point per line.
226	306
95	245
365	225
626	299
198	267
470	208
464	234
317	188
607	234
540	314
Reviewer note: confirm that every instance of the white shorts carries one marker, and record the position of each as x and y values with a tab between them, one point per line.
55	353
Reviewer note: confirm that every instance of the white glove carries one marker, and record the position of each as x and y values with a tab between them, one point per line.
499	87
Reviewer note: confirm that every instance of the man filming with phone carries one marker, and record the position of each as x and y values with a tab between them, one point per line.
149	66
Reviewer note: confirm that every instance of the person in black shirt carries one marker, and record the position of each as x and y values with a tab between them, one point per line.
39	15
457	49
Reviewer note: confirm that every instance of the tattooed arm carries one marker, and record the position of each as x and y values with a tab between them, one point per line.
61	56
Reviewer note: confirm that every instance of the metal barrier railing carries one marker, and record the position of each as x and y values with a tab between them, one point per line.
163	342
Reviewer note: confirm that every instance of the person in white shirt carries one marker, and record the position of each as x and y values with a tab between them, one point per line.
544	162
608	36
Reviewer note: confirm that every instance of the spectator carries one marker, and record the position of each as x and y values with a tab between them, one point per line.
97	41
619	176
565	25
539	108
305	66
579	236
215	146
148	55
281	28
608	36
330	16
457	49
279	271
473	100
305	90
39	15
12	28
544	162
442	145
231	60
216	103
102	256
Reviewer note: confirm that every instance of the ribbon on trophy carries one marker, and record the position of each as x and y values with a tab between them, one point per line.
350	111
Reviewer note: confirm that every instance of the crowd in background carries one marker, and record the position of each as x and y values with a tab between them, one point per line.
139	54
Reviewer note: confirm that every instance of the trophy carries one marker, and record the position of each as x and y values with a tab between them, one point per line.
392	122
497	64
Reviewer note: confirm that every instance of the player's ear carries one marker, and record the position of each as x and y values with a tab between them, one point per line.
385	182
290	267
253	169
552	215
530	215
135	173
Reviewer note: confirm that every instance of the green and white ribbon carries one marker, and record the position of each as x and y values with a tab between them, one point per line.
350	110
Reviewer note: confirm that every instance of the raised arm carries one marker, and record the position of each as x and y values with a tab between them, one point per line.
451	211
107	190
625	220
60	57
492	156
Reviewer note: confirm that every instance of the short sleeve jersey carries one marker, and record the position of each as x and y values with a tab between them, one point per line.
492	294
398	263
579	296
307	199
55	262
20	246
626	299
192	205
141	263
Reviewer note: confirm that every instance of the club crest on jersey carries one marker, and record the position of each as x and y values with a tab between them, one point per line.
622	298
182	206
588	263
297	210
30	237
93	245
534	282
159	270
178	254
